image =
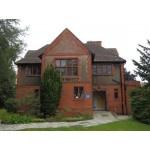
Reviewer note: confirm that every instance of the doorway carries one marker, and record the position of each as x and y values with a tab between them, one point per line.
99	100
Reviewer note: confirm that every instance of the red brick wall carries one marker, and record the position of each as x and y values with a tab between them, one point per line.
69	104
23	91
130	85
113	104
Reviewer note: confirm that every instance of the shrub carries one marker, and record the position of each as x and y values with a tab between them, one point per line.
12	118
140	103
11	105
50	91
30	105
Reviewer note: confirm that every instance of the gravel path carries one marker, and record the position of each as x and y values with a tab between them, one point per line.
99	118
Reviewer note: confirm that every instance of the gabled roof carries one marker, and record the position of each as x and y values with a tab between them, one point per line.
100	53
67	40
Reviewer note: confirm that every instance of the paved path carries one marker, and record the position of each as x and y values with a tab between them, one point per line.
99	118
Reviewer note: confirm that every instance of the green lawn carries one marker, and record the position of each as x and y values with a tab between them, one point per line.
124	125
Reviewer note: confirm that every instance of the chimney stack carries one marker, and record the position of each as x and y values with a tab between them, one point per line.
94	43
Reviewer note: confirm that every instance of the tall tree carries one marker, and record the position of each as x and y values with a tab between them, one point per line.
143	66
11	46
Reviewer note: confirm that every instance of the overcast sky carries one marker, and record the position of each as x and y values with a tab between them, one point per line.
121	24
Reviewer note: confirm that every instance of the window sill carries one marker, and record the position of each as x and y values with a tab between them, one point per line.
33	75
78	99
102	74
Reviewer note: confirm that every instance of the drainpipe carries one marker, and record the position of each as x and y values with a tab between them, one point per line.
125	88
121	90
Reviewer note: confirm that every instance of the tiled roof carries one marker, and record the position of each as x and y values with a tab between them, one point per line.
32	56
100	54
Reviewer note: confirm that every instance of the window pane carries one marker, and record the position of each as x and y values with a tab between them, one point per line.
75	71
34	70
57	63
63	63
62	71
67	67
74	62
69	63
99	69
69	71
78	92
109	70
102	69
94	69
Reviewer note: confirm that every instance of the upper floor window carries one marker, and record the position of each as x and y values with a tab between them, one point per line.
67	67
102	69
32	70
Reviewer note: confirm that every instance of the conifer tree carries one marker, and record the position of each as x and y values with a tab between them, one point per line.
51	85
143	66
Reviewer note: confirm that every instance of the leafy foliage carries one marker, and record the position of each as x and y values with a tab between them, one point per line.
143	66
51	85
29	105
11	105
12	118
140	103
129	76
11	45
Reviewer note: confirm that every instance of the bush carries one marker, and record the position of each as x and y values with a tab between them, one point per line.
11	105
30	105
12	118
50	91
140	103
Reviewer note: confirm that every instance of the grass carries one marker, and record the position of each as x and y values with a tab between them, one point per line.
123	125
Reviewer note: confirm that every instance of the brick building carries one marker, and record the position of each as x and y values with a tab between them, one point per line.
93	76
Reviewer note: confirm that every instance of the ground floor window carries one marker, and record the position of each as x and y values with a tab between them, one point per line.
115	93
78	92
